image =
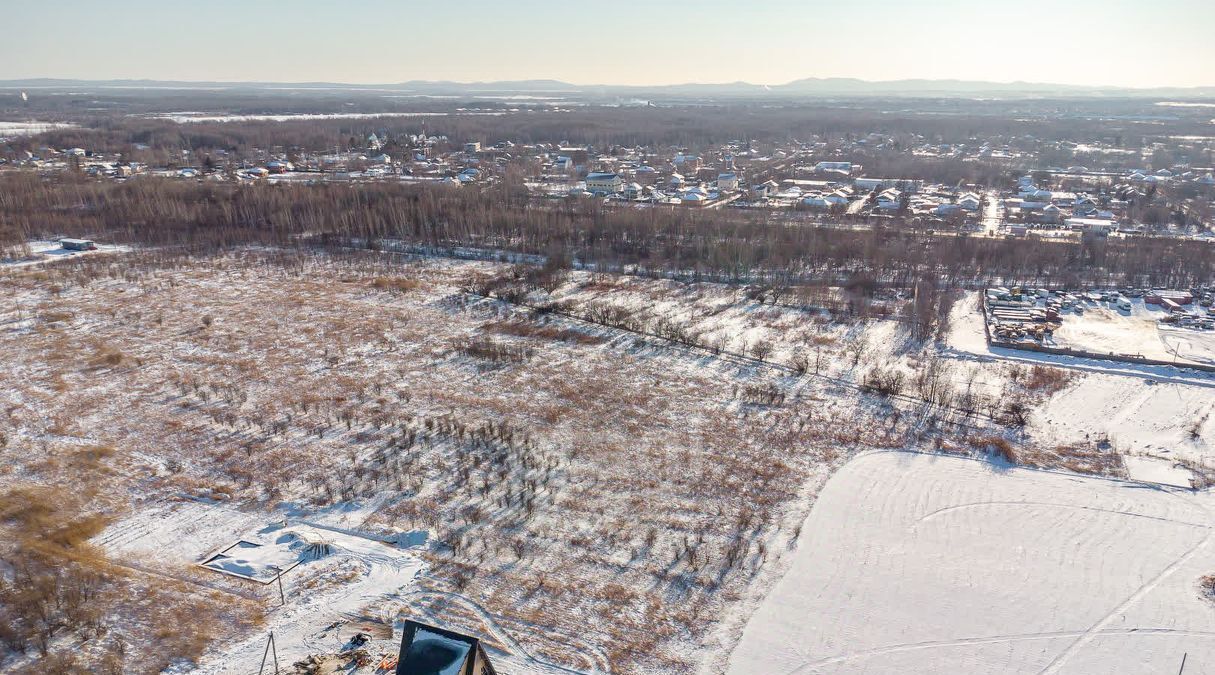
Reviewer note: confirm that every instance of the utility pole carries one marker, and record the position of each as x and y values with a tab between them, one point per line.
270	649
282	598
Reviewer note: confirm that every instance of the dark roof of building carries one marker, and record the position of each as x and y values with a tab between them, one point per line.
430	650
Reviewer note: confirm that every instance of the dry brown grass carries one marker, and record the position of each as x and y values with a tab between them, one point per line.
578	481
1047	380
1085	458
997	445
55	316
395	284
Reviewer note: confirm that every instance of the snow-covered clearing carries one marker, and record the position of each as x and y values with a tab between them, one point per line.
357	573
916	564
1105	330
29	128
51	251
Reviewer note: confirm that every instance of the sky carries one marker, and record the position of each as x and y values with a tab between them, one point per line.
1135	43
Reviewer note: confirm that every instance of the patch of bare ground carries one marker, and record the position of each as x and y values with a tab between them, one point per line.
1206	586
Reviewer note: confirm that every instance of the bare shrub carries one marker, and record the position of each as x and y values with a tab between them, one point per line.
766	393
762	349
541	331
493	351
884	381
1046	380
395	284
996	445
1015	412
1206	586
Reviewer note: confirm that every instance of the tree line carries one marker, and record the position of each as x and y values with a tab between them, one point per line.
691	244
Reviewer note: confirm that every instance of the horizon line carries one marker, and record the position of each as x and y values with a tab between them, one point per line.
947	80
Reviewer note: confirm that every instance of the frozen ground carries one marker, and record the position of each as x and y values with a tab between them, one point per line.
916	564
51	251
29	128
359	573
1159	414
587	497
1103	330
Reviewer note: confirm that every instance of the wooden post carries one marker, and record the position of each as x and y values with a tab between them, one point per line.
266	653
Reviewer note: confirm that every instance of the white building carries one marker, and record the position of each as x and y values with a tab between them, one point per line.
833	167
602	183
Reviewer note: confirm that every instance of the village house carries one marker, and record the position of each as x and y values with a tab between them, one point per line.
969	201
603	183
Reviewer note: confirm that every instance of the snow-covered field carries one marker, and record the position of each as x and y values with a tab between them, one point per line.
588	498
188	117
29	128
357	572
923	564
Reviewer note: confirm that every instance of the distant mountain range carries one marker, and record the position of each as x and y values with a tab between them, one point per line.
808	87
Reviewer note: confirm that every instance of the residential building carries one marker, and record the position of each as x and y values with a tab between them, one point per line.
603	183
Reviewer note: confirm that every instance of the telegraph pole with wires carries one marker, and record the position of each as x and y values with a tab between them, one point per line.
270	649
278	576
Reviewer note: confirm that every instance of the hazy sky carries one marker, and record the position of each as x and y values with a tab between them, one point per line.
1107	42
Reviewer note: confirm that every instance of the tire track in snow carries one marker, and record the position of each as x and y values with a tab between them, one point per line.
597	657
995	639
957	507
600	662
1148	587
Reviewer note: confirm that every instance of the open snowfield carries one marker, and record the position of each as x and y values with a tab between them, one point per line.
1137	416
177	538
925	564
29	128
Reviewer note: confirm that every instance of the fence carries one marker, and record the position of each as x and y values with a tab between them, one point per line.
1078	353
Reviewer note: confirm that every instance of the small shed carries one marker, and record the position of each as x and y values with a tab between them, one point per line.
78	244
